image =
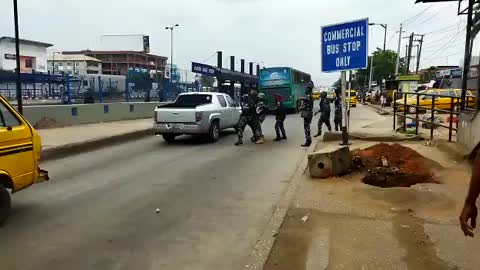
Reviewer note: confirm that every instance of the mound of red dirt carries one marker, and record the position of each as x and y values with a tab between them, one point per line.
394	165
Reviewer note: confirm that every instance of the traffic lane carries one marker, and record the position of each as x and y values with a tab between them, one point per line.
98	212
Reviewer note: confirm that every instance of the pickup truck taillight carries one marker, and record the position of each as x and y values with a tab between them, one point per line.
198	116
155	117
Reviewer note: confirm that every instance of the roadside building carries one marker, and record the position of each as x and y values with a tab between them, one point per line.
74	64
120	62
33	55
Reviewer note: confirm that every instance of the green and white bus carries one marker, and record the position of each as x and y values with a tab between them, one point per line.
286	82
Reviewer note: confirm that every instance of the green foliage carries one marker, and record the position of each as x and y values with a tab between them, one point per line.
207	81
384	67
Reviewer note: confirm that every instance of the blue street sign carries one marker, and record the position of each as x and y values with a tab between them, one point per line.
345	46
204	69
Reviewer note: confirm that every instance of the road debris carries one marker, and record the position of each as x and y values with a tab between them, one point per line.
157	210
305	218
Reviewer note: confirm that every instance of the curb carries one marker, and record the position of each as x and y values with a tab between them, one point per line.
90	145
379	110
330	137
264	244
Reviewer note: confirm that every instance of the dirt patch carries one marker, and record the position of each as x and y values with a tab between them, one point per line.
394	165
47	122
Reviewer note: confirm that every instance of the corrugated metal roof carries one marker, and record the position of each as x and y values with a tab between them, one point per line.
72	57
25	41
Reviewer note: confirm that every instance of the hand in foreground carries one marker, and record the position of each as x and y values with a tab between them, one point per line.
469	213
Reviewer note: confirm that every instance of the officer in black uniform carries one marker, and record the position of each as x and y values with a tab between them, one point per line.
324	114
338	114
307	113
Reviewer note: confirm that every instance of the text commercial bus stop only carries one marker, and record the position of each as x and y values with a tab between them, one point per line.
345	46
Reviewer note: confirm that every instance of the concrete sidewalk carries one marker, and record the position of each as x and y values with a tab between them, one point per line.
59	142
380	110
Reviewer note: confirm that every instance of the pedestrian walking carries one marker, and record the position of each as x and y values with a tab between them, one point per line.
246	118
337	120
280	116
324	114
307	113
383	100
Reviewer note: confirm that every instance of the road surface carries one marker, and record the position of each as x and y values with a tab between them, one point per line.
99	209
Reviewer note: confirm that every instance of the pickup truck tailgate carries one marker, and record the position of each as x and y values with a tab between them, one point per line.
172	115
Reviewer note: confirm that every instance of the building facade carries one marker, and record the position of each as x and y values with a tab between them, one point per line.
120	62
33	55
74	64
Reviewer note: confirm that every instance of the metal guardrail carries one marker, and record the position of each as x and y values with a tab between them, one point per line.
454	110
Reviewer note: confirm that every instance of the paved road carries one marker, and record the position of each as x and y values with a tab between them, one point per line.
98	211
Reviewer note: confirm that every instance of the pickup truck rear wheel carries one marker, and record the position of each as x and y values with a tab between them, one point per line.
5	204
214	132
169	138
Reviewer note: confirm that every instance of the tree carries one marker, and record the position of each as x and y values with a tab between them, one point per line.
207	81
384	63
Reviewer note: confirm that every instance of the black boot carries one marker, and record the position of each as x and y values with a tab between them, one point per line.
307	144
239	142
318	135
277	139
284	137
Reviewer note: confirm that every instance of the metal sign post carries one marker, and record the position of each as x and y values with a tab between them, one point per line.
345	47
344	108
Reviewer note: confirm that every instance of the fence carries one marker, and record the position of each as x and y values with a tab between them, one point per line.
49	89
437	104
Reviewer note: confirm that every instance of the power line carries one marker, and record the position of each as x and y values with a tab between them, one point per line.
415	17
445	45
210	57
453	27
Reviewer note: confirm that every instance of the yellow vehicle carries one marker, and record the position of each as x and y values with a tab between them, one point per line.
353	98
316	95
20	149
443	102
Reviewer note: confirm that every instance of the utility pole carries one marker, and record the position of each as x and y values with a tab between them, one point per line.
17	58
409	56
468	50
398	49
371	74
419	52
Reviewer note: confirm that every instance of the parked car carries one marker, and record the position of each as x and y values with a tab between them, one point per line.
196	113
444	101
353	98
20	149
316	95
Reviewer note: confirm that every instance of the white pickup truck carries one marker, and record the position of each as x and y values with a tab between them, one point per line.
196	113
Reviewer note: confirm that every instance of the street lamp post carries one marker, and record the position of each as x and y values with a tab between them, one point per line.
385	36
17	58
171	28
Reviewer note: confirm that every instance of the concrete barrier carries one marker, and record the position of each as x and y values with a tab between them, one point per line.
76	114
468	135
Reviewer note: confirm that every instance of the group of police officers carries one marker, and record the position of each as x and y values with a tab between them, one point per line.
254	110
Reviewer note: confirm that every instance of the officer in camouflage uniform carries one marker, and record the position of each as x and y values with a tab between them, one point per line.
246	118
307	113
324	114
262	114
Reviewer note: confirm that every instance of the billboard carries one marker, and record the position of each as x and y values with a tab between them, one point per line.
274	77
345	46
122	43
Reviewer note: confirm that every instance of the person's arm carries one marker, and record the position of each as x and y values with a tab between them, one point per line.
469	212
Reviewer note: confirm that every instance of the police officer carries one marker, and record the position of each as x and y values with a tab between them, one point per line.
307	113
255	120
245	118
262	114
324	114
338	114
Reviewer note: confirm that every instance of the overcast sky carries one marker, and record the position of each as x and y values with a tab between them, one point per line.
273	32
